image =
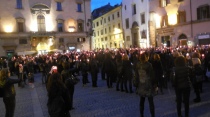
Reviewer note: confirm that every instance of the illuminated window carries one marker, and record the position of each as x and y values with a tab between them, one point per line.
164	21
22	41
41	23
134	9
79	7
203	12
119	25
19	4
164	3
181	18
59	6
127	23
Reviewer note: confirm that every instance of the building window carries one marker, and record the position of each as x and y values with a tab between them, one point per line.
97	24
134	9
109	29
118	14
61	40
102	32
142	18
113	16
125	7
180	0
127	38
41	23
105	38
79	7
19	4
59	6
119	25
105	31
20	24
164	21
60	27
108	18
127	23
203	12
22	41
164	3
181	18
101	22
104	20
80	27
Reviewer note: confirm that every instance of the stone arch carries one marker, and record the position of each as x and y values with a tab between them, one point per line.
135	34
182	40
40	8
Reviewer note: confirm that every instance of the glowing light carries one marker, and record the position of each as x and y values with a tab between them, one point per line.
49	23
172	19
71	28
117	30
50	42
42	46
8	29
34	26
157	19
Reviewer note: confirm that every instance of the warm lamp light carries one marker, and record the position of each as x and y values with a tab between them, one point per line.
8	29
157	20
71	28
172	19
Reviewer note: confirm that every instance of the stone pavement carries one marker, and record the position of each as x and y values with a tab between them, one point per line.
103	102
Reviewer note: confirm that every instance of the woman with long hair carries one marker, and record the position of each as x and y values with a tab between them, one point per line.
8	91
146	84
58	97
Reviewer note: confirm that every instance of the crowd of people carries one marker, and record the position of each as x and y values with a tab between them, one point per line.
144	71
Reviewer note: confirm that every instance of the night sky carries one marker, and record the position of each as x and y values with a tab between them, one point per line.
98	3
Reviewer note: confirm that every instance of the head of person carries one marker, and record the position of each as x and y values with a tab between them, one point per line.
180	61
143	57
54	82
65	65
125	57
156	57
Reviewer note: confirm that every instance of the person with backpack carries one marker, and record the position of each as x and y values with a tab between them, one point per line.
58	103
146	84
7	84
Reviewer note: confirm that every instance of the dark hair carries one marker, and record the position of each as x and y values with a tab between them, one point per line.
143	57
180	61
54	84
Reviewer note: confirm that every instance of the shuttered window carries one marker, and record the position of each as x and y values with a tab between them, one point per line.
203	12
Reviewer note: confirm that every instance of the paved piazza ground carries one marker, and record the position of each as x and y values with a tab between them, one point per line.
104	102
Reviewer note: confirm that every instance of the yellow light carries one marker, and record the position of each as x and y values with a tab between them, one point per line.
42	46
172	19
49	23
157	20
8	28
71	28
34	26
50	42
117	30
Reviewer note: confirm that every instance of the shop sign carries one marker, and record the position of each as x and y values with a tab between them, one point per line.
203	36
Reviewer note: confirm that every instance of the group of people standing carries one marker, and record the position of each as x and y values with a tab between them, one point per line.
146	71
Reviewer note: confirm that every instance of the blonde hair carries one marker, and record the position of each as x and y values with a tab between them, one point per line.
3	76
125	57
156	56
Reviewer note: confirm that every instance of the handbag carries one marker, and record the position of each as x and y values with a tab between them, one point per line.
73	80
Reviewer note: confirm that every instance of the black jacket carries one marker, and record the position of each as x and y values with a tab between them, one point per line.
9	89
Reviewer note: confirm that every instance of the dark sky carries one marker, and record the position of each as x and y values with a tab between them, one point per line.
98	3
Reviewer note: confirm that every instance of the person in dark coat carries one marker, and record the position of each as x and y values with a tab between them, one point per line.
158	70
182	84
109	67
94	69
58	97
127	73
146	85
8	91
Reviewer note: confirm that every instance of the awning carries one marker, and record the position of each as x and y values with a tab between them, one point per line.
26	53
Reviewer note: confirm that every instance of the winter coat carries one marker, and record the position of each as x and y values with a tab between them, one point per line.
9	89
145	82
